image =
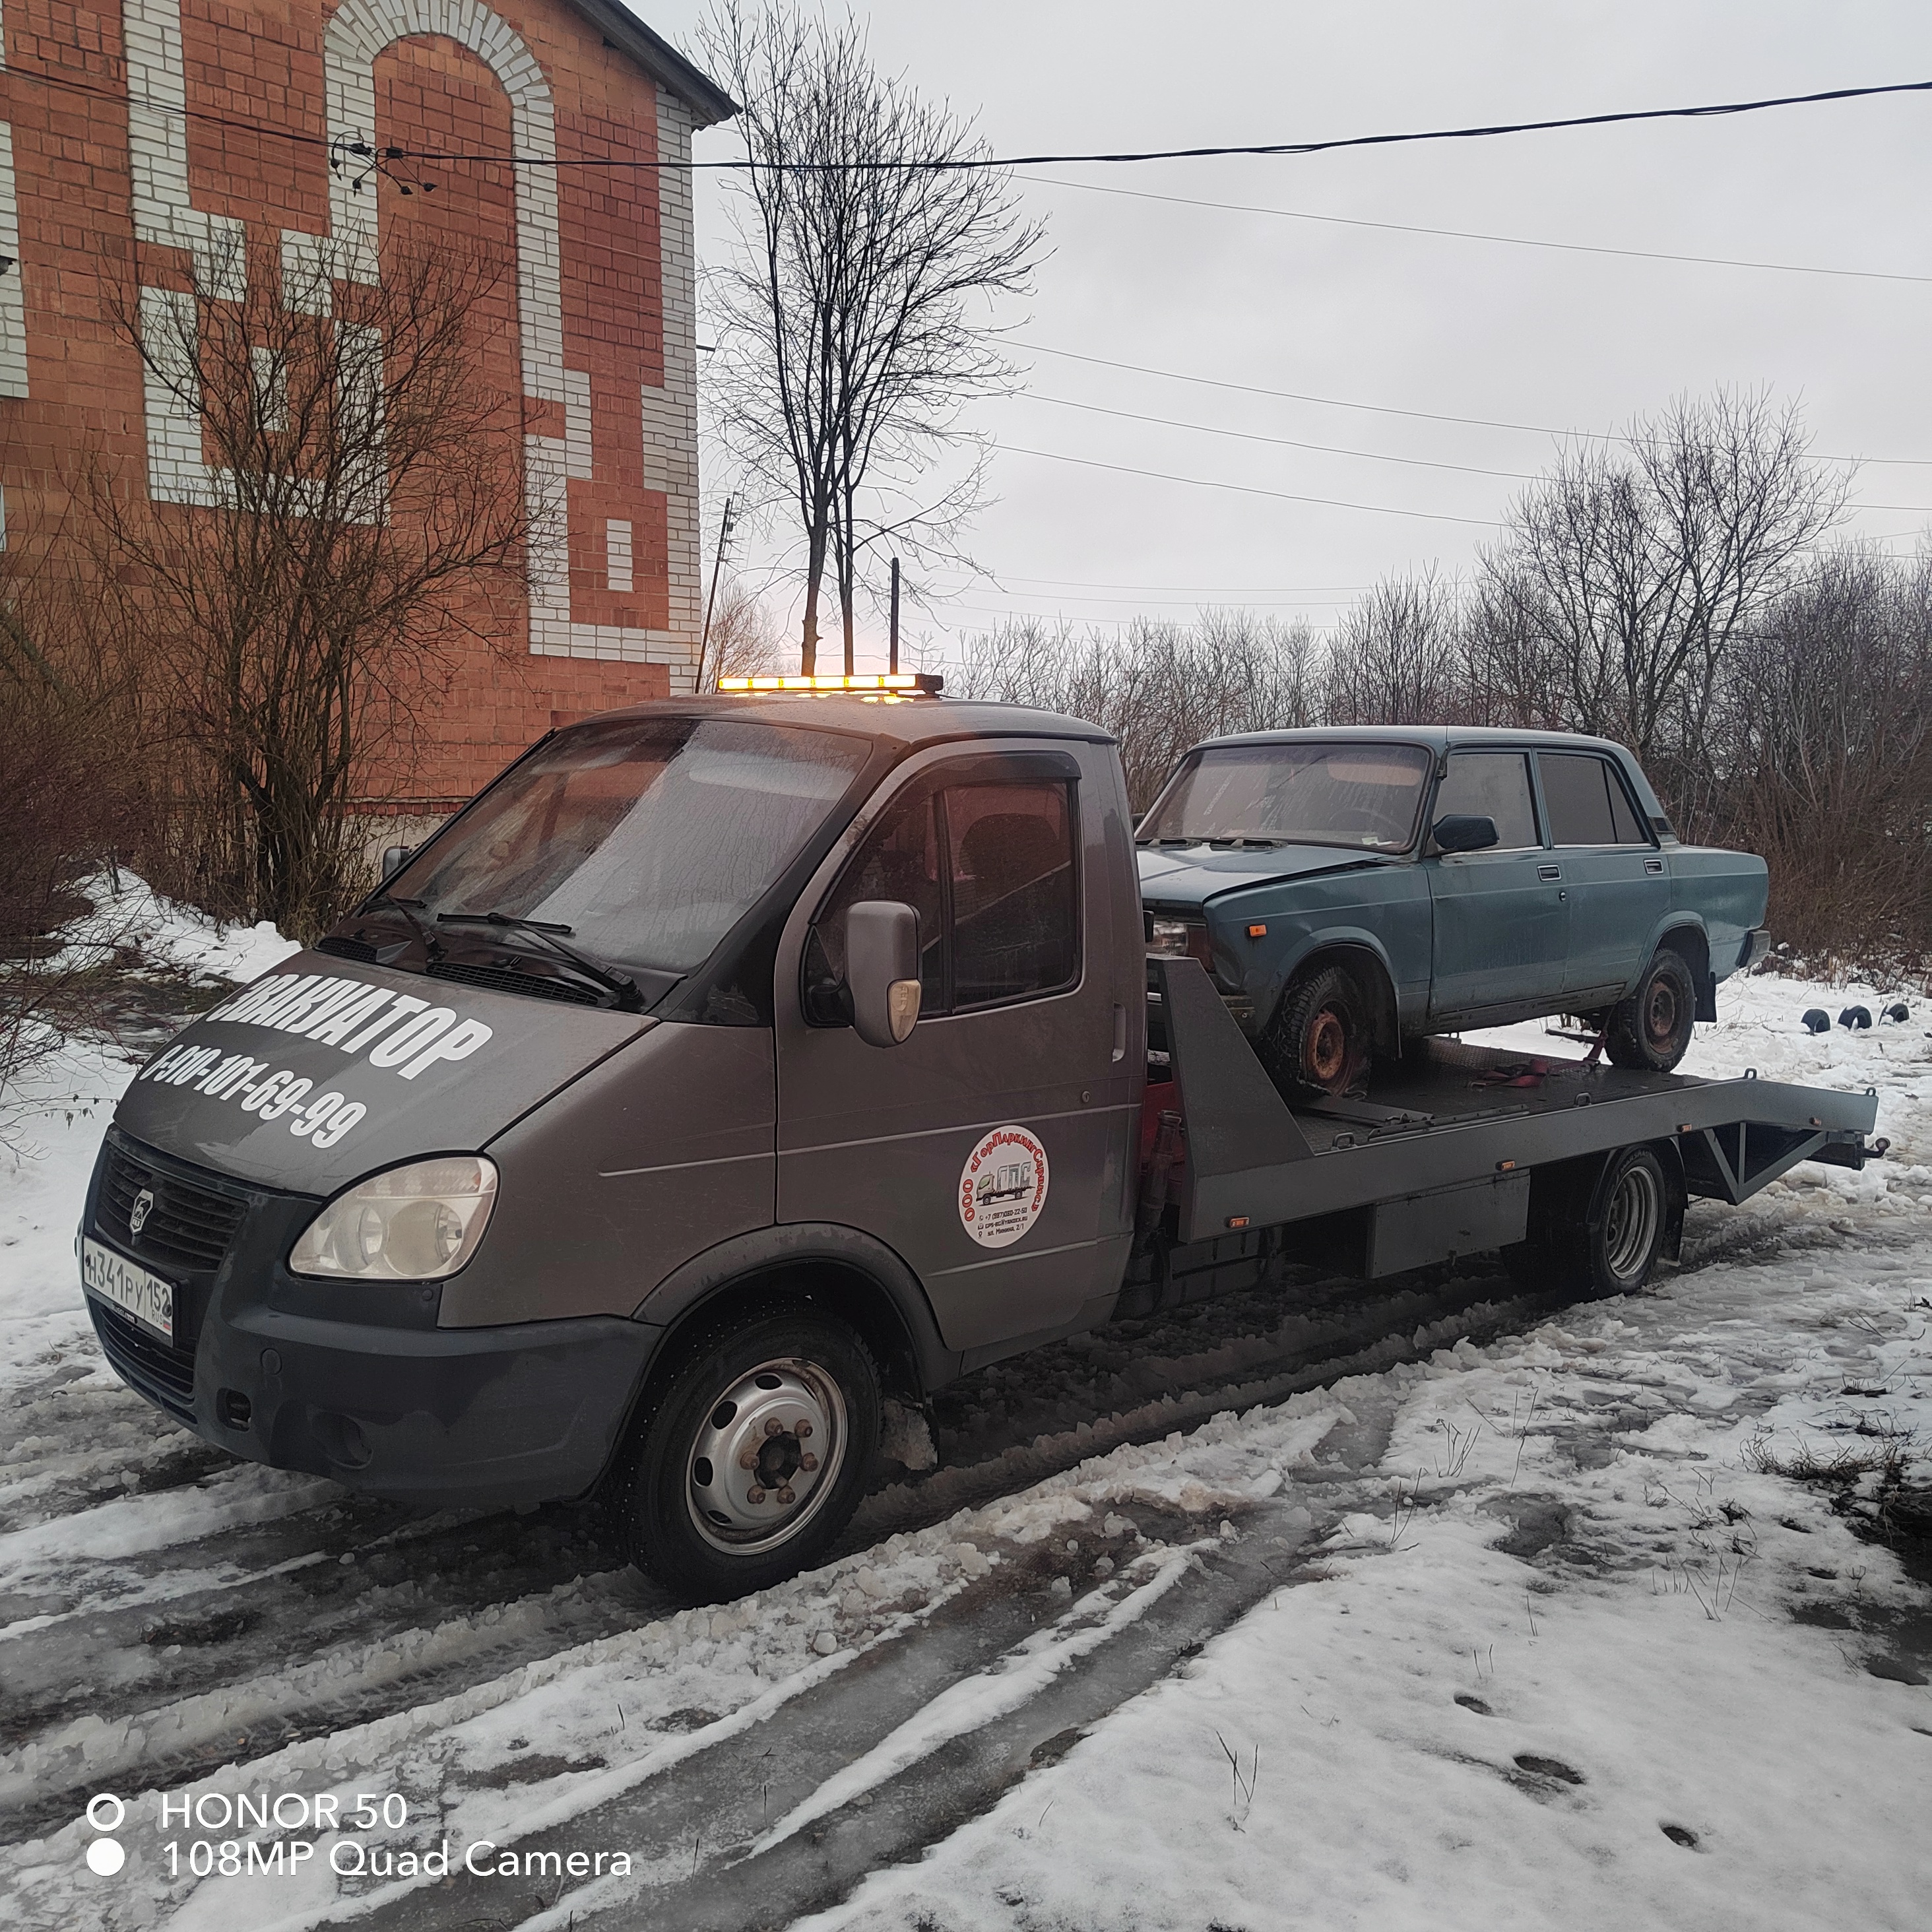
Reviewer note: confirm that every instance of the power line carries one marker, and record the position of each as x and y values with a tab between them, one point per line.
1477	235
1284	442
1256	590
1251	489
1387	409
963	163
1195	603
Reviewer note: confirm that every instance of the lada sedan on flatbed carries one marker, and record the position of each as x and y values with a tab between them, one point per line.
1350	889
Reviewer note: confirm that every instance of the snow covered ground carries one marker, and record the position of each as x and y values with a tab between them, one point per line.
1446	1613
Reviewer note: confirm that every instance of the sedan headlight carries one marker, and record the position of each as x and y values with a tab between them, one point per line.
1167	938
415	1223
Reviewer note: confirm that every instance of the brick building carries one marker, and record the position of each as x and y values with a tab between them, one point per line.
155	131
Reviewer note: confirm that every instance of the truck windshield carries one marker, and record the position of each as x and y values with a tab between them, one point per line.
643	840
1364	795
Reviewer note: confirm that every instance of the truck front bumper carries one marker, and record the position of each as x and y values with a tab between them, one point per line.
355	1381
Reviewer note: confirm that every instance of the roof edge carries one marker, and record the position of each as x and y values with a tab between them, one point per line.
622	29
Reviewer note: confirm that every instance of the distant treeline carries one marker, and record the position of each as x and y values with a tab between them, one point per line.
1678	590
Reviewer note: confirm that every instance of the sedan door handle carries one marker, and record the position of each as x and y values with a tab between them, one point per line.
1653	865
1549	871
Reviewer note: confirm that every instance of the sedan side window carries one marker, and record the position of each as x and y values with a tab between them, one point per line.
1587	802
1491	785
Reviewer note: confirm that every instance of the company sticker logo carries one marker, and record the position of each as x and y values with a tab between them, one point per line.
137	1215
1003	1186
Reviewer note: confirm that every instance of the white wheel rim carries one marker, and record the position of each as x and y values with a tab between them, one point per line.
767	1456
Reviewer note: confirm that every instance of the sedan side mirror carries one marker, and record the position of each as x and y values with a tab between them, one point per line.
1456	832
882	969
394	857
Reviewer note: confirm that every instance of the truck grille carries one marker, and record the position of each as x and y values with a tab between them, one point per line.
188	1226
159	1371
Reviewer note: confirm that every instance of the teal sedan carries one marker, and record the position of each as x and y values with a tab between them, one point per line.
1349	890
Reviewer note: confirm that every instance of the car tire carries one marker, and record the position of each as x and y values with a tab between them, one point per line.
1597	1227
1319	1041
708	1500
1650	1030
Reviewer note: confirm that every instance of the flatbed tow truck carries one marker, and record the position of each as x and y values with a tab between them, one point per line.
633	1138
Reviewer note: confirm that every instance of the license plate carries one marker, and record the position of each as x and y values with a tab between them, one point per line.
150	1300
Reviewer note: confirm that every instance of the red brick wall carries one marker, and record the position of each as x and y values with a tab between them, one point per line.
262	63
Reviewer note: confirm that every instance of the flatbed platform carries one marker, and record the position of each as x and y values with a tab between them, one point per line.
1437	1157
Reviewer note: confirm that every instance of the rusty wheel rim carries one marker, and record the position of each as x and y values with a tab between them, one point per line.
1326	1057
1660	1012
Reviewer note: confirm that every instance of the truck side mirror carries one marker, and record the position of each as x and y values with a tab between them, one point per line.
394	857
1454	832
882	969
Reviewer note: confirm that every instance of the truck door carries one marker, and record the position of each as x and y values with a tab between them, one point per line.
1502	921
992	1149
1615	877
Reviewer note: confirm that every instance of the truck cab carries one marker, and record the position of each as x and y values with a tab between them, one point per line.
425	1210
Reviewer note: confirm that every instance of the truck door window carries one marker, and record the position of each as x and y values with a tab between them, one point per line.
989	868
1491	785
1586	801
900	860
1015	916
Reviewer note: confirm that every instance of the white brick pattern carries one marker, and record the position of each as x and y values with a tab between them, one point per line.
671	413
157	153
13	291
358	32
617	554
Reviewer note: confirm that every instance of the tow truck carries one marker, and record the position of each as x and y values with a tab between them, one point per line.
633	1138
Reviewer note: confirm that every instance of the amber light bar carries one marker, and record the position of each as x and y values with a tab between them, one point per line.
898	684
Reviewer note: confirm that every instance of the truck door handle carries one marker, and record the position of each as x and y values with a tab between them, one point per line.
1549	871
1653	865
1120	1033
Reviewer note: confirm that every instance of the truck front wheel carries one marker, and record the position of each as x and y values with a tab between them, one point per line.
752	1455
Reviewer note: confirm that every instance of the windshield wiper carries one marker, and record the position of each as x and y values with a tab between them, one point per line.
623	989
432	945
1246	838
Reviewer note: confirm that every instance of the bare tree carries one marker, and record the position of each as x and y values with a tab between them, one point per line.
1821	738
1626	575
1159	687
359	507
853	322
745	636
1398	658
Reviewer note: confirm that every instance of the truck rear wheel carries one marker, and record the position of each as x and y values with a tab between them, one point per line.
1650	1030
1596	1227
752	1457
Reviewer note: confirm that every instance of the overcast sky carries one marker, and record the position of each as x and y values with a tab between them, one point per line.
1518	335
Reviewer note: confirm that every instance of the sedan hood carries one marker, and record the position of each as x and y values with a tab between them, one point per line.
326	1070
1190	875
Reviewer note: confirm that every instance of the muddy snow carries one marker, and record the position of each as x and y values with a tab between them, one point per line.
1430	1604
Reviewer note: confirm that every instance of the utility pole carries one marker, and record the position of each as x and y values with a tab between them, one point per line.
893	664
717	564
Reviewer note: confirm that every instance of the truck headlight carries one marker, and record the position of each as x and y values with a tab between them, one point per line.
415	1223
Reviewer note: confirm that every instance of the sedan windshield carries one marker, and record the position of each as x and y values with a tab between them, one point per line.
1364	795
643	840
